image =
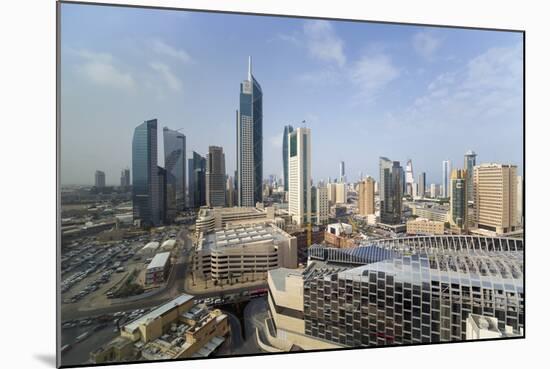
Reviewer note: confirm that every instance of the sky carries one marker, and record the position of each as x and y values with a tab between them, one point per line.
364	89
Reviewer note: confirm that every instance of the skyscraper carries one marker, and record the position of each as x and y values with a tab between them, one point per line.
249	142
197	181
145	184
422	184
286	131
175	165
459	200
366	196
125	178
162	199
342	177
495	197
99	180
299	171
409	178
230	192
215	177
322	206
469	164
391	174
445	178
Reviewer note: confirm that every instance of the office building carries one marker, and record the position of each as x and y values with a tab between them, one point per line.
421	192
366	196
179	328
237	254
299	171
230	192
390	189
162	200
436	213
341	192
331	192
495	197
469	164
197	181
446	168
409	178
99	179
459	201
424	226
125	178
215	177
145	183
434	191
175	164
288	129
342	177
322	205
249	142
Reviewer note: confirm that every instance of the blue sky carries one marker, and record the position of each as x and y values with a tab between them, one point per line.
365	90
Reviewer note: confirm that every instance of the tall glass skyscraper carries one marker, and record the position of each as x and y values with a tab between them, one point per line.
459	200
446	169
288	129
145	183
175	165
390	190
197	181
215	177
249	142
469	164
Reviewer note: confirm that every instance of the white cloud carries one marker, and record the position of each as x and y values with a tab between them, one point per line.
323	43
167	75
372	73
160	47
487	89
99	69
426	44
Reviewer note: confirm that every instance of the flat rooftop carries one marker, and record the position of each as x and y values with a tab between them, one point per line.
279	275
154	314
159	260
236	237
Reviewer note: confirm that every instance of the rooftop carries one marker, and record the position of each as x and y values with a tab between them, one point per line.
154	314
278	276
159	260
237	237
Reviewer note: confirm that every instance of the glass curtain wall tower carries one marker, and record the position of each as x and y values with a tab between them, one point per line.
215	177
175	165
288	129
390	191
145	182
469	164
249	142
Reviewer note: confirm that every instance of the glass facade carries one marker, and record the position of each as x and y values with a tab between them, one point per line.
197	181
390	191
249	142
175	165
145	183
288	129
422	290
469	164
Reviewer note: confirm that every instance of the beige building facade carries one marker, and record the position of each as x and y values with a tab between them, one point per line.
425	226
366	196
495	197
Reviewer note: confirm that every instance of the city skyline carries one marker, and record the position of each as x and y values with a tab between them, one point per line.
436	82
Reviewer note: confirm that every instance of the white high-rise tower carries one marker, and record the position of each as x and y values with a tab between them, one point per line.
299	172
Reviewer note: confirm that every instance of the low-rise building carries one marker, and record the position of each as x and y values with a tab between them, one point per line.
177	329
244	253
425	226
158	268
339	235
